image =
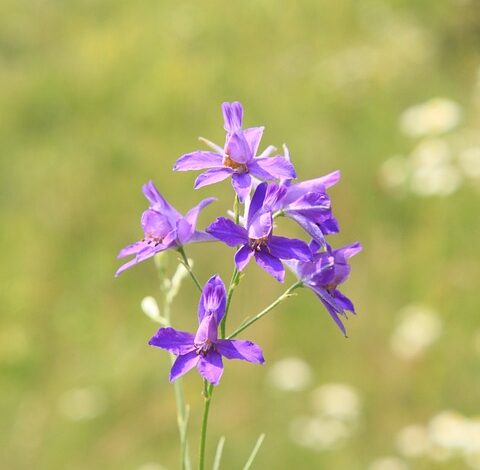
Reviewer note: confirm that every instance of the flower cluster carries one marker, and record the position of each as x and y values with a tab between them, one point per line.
265	185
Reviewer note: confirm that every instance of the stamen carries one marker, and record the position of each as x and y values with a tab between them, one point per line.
237	167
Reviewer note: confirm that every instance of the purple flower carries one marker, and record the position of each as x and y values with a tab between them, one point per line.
203	349
307	203
164	228
238	157
324	273
256	239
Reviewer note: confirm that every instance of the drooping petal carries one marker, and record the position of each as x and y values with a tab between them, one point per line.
237	148
242	184
211	367
279	167
132	249
228	232
213	299
289	248
198	160
174	341
212	176
253	135
242	257
343	301
270	264
257	202
232	116
331	310
310	227
183	364
158	202
144	254
348	251
239	349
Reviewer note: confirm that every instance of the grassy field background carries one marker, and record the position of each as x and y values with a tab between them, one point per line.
98	97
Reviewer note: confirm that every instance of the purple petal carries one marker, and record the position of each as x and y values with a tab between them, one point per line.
228	232
242	184
261	226
348	251
329	226
211	367
232	116
174	341
192	215
256	170
237	148
257	202
158	202
238	349
270	264
331	308
132	249
289	248
155	224
212	176
207	330
199	236
274	196
184	231
311	203
198	160
253	135
213	299
278	167
310	227
183	364
146	253
242	257
314	185
343	301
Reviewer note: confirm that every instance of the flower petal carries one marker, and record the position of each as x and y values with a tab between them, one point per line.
237	148
289	248
156	224
198	160
211	367
207	330
314	185
261	226
256	170
174	341
132	249
213	299
228	232
242	184
232	116
192	215
278	167
183	364
239	349
348	251
158	202
332	310
310	227
270	264
146	253
343	301
242	257
257	202
212	176
253	135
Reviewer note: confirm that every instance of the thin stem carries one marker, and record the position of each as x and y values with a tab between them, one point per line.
247	323
207	393
189	268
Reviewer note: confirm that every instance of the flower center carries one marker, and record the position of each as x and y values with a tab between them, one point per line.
257	244
331	287
203	348
152	240
235	166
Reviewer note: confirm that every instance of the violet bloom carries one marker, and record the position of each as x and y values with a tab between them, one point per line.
238	157
204	350
256	238
164	228
324	273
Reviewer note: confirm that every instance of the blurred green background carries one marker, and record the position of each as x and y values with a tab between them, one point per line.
98	97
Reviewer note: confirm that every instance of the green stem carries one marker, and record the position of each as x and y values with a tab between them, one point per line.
189	268
247	323
207	394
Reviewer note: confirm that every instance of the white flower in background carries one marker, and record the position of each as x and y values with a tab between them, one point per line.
180	274
418	328
336	400
82	404
431	153
469	161
290	374
388	463
319	433
432	117
412	441
394	173
450	430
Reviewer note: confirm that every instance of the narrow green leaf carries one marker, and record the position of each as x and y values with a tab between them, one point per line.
218	454
254	452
